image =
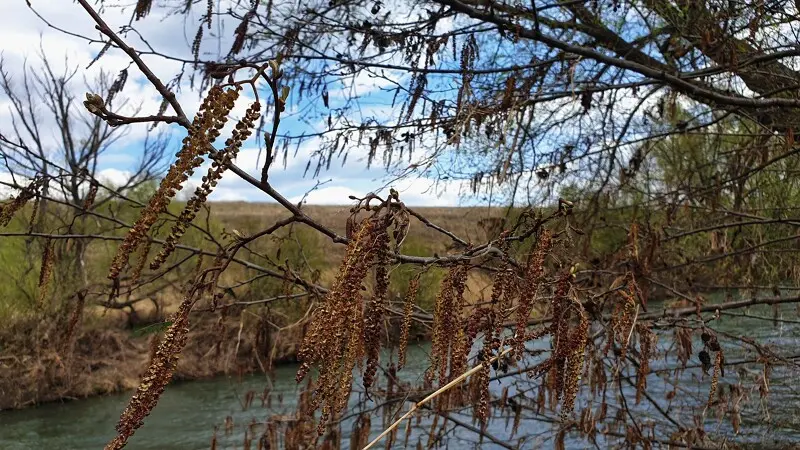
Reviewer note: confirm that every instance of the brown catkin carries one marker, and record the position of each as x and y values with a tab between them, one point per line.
197	42
37	203
142	8
408	308
91	195
373	316
220	163
46	271
646	346
623	316
74	319
143	251
560	330
240	35
482	385
446	323
158	375
209	12
204	130
574	362
361	429
534	273
334	339
718	361
10	208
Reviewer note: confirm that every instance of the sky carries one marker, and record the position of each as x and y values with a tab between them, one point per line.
170	35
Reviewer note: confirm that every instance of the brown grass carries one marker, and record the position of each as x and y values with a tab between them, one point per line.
107	358
462	221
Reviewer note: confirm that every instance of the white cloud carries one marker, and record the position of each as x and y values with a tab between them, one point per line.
5	190
113	177
413	192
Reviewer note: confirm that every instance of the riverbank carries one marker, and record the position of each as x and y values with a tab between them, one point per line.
37	367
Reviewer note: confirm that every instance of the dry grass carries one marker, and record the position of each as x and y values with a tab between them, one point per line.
421	241
462	221
106	358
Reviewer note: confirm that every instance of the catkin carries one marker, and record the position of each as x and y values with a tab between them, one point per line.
204	130
220	161
408	307
10	208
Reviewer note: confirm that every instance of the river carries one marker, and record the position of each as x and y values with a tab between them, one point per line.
188	413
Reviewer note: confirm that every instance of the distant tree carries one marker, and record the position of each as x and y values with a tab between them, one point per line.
51	149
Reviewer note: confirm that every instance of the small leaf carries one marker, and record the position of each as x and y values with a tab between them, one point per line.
274	65
152	329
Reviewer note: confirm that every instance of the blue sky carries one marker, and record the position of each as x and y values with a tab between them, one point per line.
169	35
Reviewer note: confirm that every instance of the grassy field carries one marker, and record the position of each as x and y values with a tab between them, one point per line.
464	222
308	248
308	252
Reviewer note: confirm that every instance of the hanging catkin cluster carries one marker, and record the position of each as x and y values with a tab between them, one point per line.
204	130
405	329
533	276
622	317
158	375
142	8
220	160
10	208
488	320
647	342
447	349
91	195
374	312
46	273
569	331
336	338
